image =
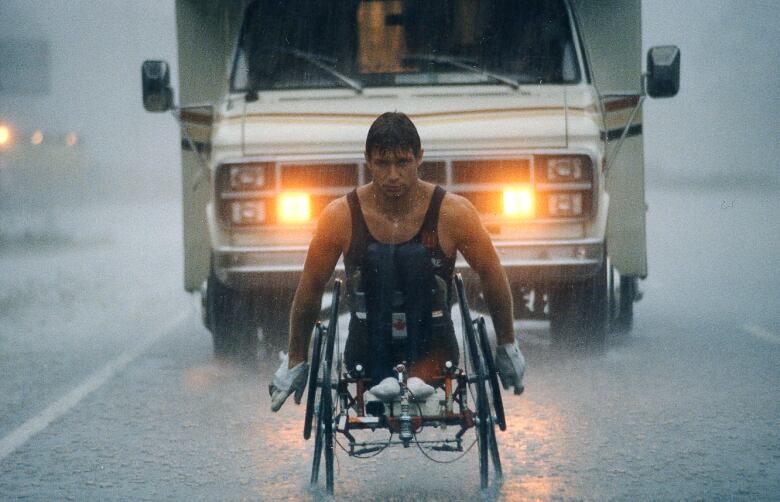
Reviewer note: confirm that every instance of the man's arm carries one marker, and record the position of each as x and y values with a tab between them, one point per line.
324	251
473	241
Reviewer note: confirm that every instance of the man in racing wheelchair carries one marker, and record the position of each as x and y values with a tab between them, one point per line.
399	236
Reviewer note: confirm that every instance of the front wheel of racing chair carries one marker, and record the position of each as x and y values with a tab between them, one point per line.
321	379
479	353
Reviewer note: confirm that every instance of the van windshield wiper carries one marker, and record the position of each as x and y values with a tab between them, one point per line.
459	63
320	62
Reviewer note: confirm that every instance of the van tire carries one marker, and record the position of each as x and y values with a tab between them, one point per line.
578	312
624	320
229	317
273	316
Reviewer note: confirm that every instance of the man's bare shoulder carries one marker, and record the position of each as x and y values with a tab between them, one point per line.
459	221
337	208
336	216
455	208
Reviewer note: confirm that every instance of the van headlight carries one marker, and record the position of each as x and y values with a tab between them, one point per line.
564	168
246	177
564	204
518	202
565	185
293	207
247	212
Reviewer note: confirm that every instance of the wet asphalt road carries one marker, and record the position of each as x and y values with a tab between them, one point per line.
686	407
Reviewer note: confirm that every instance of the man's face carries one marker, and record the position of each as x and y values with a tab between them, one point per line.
393	172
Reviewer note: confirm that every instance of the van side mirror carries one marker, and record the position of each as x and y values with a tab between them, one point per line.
663	71
156	81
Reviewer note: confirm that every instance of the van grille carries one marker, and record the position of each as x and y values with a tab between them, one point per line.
499	171
300	176
562	184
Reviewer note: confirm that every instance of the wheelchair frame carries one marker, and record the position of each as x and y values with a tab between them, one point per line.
333	408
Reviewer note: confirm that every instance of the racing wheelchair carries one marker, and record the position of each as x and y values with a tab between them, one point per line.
467	397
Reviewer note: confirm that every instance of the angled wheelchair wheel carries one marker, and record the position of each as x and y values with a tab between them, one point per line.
316	459
323	440
498	402
314	369
484	422
490	364
498	471
479	377
323	382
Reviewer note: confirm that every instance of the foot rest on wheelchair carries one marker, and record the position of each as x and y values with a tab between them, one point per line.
433	405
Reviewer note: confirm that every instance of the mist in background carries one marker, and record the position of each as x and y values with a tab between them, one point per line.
721	129
96	51
110	390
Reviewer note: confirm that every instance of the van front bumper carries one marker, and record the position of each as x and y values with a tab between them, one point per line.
253	267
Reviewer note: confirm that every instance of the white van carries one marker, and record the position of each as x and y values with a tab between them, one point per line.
531	109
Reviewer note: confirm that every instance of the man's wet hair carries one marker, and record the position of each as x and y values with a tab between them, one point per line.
392	132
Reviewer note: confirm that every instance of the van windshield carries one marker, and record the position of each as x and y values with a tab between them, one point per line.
300	44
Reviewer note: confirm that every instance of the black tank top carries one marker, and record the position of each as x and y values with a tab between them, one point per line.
443	266
399	295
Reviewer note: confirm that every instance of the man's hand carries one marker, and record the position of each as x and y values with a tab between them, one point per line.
510	364
286	381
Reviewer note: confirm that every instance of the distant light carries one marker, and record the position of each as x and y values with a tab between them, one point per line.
71	139
37	137
5	135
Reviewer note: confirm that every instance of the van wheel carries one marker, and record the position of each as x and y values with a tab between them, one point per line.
229	316
624	320
272	314
578	311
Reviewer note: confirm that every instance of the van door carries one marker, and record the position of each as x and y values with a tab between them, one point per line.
206	31
612	35
196	189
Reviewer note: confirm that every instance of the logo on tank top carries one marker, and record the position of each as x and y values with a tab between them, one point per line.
399	325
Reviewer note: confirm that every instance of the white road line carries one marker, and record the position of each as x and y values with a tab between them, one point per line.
36	424
761	333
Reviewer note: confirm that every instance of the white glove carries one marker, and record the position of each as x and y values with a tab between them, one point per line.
510	364
286	381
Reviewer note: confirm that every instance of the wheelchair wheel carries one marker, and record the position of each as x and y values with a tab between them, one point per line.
490	364
315	461
323	440
488	447
314	369
323	381
498	402
483	407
